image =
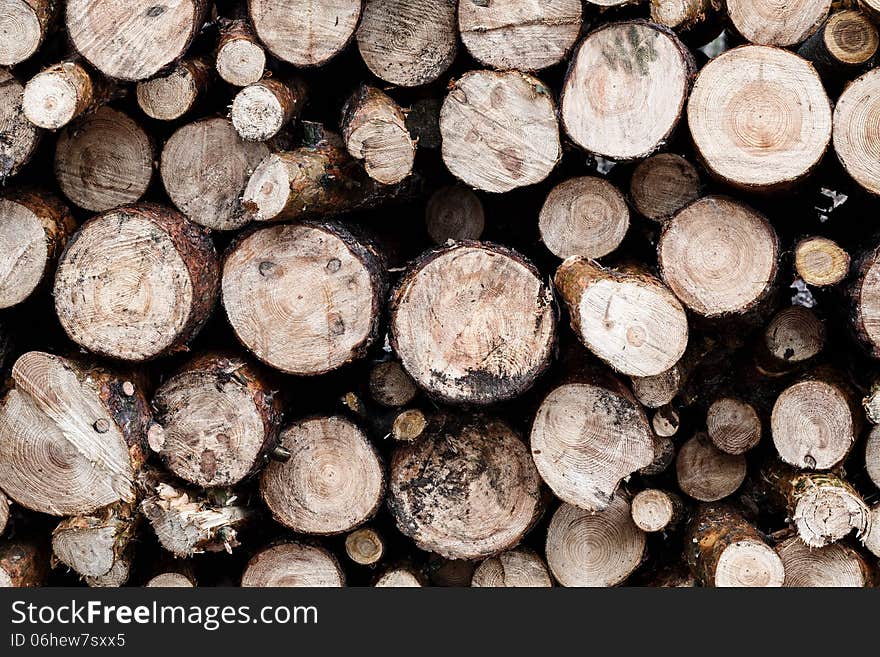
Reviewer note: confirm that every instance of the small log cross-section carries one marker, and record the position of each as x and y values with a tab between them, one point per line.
170	580
772	23
855	116
399	577
293	565
205	167
305	32
625	89
655	510
629	319
657	390
498	324
374	130
408	42
136	282
695	18
815	422
304	298
20	136
526	36
723	550
741	115
454	212
173	93
187	522
261	110
662	185
585	216
833	566
499	130
216	420
133	40
792	338
23	564
104	160
241	59
517	568
586	437
466	490
705	473
71	438
390	385
719	257
733	425
365	546
594	549
34	227
24	25
819	261
846	42
332	482
59	94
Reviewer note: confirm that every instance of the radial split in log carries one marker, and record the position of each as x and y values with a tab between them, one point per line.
332	482
517	568
71	440
586	437
625	89
408	42
832	566
526	36
365	546
390	385
705	473
662	185
772	23
820	261
205	167
97	545
629	319
188	522
499	130
23	564
293	565
304	298
24	25
466	490
171	94
59	94
813	423
872	456
260	110
241	59
585	216
305	32
399	577
136	282
454	212
657	390
136	39
748	120
719	257
104	160
847	41
20	136
374	130
655	510
855	134
733	425
724	550
585	548
497	332
34	227
217	420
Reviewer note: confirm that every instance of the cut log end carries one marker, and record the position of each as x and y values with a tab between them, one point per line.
483	155
259	111
293	565
409	425
332	482
584	216
719	257
657	390
374	130
54	97
827	510
733	425
856	111
758	151
851	38
454	212
705	473
466	490
467	358
365	546
662	185
170	580
96	546
21	30
794	335
872	456
398	578
594	549
240	58
390	385
649	71
832	566
20	135
820	261
170	95
767	23
653	510
518	568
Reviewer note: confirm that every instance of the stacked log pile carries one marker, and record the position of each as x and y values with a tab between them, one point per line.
439	293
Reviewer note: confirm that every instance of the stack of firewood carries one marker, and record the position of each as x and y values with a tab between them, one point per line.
426	292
